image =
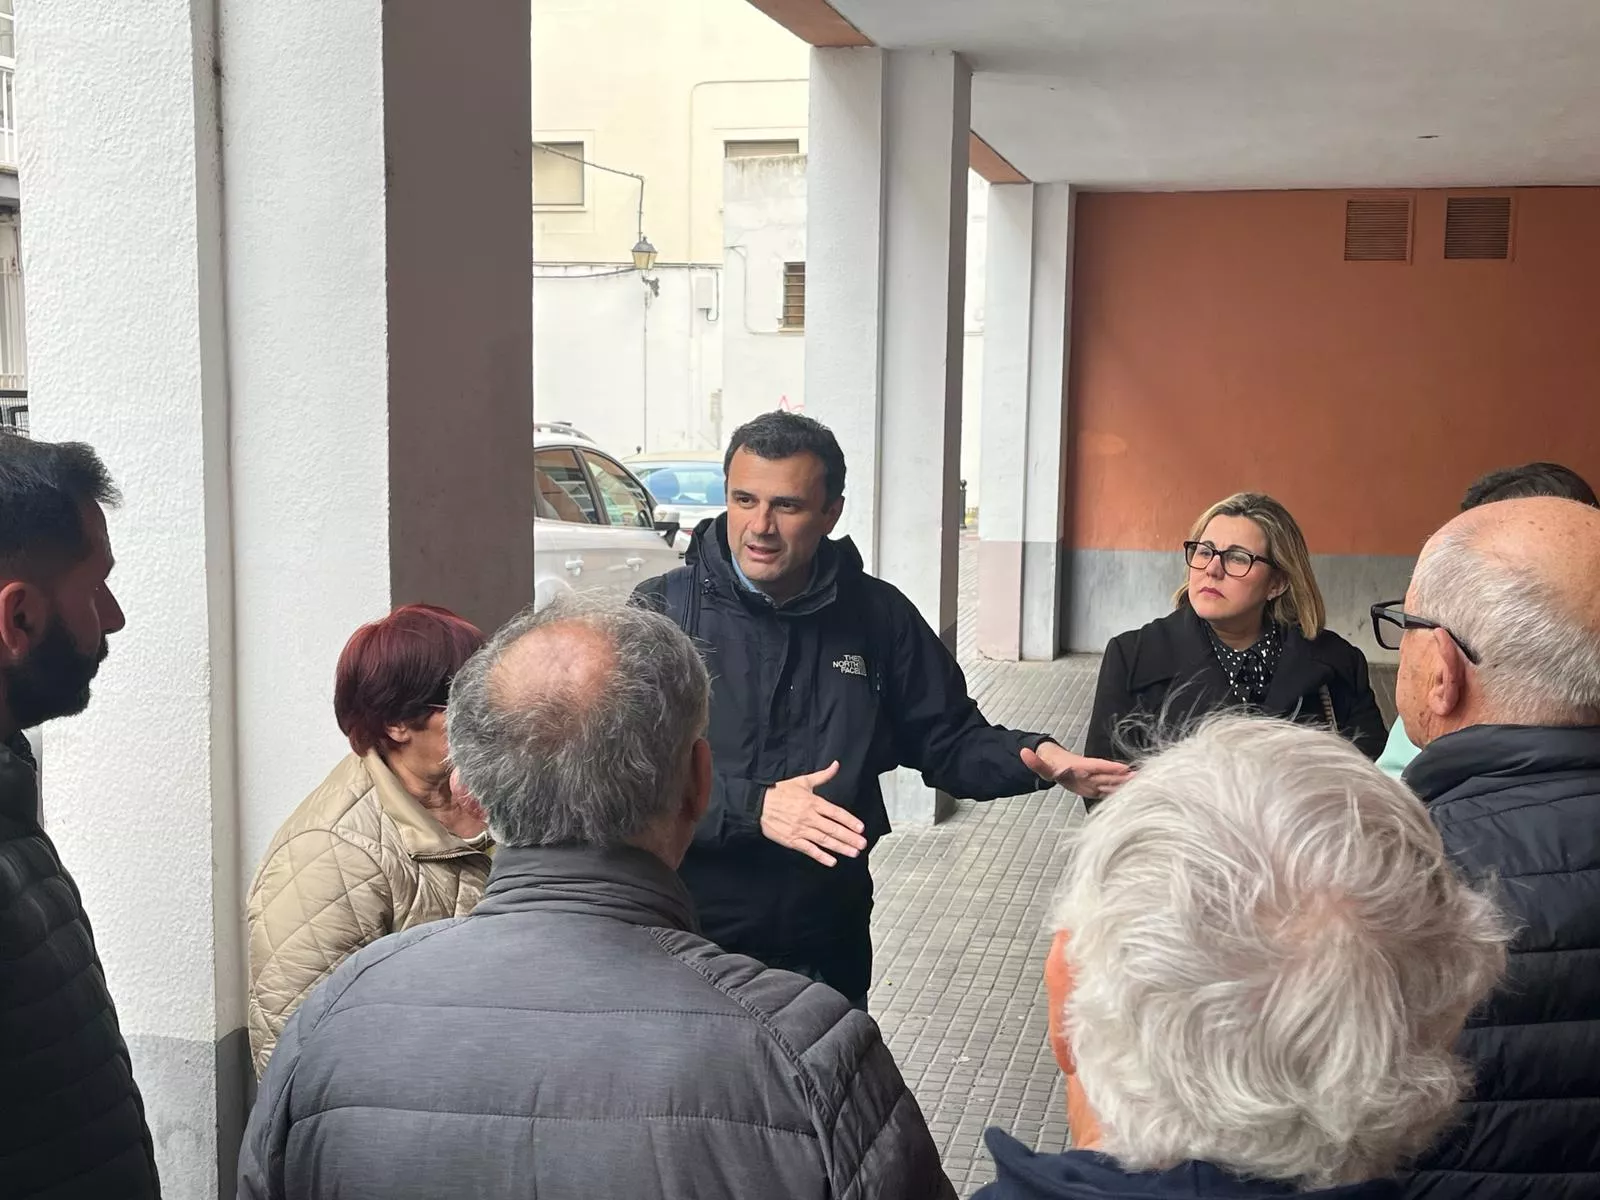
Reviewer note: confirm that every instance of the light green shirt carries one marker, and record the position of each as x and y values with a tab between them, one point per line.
1397	755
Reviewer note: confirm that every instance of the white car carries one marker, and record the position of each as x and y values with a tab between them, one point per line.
594	523
687	486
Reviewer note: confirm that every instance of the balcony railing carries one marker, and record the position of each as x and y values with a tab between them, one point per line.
8	118
14	410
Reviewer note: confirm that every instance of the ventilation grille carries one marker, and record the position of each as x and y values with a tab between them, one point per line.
1377	230
1477	227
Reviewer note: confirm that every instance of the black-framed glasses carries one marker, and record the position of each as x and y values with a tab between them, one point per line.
1390	621
1236	561
441	695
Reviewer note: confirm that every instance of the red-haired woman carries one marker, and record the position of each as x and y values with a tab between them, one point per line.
383	844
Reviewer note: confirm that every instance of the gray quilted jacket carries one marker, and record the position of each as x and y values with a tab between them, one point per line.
574	1037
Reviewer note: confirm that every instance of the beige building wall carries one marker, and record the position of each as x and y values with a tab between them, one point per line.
656	88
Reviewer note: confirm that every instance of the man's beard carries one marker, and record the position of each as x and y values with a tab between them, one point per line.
53	681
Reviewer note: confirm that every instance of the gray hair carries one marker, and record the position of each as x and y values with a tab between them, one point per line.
596	758
1272	957
1540	663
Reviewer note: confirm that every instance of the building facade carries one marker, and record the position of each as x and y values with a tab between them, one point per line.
690	130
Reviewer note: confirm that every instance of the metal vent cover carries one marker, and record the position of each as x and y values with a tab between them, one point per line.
1477	227
1377	229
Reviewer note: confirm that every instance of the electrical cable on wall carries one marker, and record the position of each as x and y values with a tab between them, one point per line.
550	149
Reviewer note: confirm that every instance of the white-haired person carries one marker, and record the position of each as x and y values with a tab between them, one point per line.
1263	960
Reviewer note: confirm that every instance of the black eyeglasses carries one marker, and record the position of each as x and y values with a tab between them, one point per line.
441	695
1235	561
1390	621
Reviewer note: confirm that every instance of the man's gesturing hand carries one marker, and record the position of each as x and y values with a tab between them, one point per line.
1091	778
793	815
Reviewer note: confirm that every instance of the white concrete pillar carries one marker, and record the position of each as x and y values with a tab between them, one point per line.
888	188
1027	340
844	272
288	300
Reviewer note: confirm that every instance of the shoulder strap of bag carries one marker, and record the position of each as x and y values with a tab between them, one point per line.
878	635
1327	707
683	600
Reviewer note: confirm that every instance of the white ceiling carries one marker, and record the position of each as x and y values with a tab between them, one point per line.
1213	94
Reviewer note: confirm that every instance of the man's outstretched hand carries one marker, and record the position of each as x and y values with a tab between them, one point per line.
793	815
1091	778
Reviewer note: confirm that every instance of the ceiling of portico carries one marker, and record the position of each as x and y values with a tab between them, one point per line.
1212	94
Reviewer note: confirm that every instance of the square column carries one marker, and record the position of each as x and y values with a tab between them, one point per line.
886	238
1027	340
305	354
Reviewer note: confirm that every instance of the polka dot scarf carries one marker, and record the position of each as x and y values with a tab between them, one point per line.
1249	671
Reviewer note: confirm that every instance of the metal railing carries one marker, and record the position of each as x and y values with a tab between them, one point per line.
14	409
13	335
8	118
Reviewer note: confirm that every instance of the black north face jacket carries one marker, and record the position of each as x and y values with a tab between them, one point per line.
847	671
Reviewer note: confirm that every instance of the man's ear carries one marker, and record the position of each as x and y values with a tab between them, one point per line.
463	799
23	618
1447	676
1057	988
833	511
698	798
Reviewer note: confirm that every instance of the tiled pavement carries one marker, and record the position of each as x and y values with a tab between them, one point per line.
960	929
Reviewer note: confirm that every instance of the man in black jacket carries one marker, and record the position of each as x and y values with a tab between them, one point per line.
71	1119
1500	685
823	678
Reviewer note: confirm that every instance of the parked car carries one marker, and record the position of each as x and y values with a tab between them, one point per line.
595	524
688	486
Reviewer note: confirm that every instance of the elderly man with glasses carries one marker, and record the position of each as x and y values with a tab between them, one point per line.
1499	641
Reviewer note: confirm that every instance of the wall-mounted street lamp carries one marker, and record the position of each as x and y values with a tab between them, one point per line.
644	254
644	257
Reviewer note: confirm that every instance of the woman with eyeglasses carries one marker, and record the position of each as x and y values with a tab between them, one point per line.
1246	633
385	843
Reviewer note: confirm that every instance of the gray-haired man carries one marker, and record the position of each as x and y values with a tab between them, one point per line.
574	1036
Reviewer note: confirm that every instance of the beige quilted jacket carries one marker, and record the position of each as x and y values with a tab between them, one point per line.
360	858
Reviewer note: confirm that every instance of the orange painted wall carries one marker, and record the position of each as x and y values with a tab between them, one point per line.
1220	342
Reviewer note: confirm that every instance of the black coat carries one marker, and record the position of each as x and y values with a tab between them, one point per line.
1085	1175
847	671
71	1120
1167	675
1522	804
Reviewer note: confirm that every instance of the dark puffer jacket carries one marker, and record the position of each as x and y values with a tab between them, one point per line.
1523	804
1020	1174
71	1120
574	1038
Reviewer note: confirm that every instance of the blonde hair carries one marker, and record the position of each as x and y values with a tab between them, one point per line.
1301	604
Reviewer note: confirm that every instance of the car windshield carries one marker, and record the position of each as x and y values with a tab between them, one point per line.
685	483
